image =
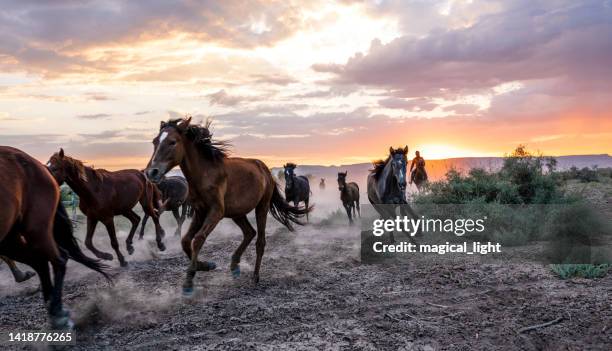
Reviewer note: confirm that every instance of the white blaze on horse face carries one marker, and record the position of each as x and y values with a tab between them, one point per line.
49	164
162	137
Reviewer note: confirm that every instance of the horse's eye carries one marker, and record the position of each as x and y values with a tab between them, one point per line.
172	143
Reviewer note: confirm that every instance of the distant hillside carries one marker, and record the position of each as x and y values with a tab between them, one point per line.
438	168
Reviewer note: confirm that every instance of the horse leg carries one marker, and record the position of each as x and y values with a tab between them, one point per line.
91	227
358	209
194	227
134	219
261	214
159	234
248	233
196	245
142	226
177	216
109	223
17	273
306	204
347	207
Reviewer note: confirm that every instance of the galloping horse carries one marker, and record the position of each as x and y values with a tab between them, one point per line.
322	184
220	187
349	195
18	274
420	175
297	188
104	195
387	185
174	191
35	228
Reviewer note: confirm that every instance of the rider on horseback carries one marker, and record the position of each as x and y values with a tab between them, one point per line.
418	163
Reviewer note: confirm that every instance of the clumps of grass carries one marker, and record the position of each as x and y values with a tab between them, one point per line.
590	271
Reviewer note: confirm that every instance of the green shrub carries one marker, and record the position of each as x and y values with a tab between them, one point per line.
566	271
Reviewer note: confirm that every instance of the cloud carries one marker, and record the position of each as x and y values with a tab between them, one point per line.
221	97
462	109
420	104
52	38
524	41
94	116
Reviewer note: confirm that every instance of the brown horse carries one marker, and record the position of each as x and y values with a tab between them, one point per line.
18	274
349	195
35	228
104	195
220	187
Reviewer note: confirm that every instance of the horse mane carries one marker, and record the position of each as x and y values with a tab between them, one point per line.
81	170
202	138
378	165
290	165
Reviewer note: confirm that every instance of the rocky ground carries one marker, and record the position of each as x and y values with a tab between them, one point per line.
315	294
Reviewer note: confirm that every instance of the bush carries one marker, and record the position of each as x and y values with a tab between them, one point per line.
566	271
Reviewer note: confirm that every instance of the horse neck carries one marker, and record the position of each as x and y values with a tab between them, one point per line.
194	165
385	181
81	187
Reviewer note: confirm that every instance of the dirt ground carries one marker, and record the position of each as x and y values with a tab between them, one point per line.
315	294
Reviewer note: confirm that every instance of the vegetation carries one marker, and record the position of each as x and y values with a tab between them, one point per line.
525	201
591	271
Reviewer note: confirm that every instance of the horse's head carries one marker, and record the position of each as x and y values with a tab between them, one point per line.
168	149
56	166
342	180
398	159
322	180
289	174
64	167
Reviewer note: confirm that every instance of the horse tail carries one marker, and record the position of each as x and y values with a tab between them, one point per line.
64	237
283	212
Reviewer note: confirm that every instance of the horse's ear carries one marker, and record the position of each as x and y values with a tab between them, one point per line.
406	150
391	150
61	153
184	123
162	125
345	173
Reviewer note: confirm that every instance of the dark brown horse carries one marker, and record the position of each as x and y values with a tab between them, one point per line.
104	195
35	228
220	187
174	191
18	274
322	184
349	195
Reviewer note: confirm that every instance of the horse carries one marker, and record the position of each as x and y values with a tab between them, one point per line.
104	195
420	175
387	185
349	195
174	191
322	184
220	187
36	230
297	188
18	274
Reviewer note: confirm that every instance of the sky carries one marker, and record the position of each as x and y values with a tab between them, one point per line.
311	82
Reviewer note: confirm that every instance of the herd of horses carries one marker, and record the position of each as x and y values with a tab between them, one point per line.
36	230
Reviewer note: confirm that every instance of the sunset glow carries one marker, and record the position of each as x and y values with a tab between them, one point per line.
310	82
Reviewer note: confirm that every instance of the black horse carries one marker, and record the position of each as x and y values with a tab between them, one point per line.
349	194
297	188
174	191
387	185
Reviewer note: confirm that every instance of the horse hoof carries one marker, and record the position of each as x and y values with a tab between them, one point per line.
123	264
140	237
236	272
187	292
161	246
106	256
61	323
255	279
130	249
27	275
